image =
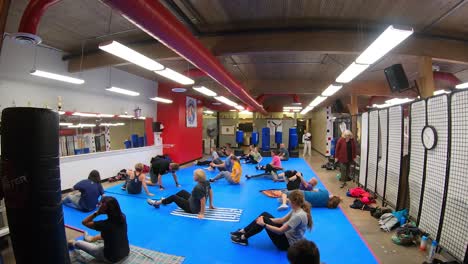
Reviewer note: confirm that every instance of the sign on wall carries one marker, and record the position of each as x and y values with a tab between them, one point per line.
228	130
191	112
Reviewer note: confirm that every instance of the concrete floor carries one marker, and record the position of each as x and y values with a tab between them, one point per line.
379	241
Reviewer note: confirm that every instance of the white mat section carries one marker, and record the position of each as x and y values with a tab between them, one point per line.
218	214
364	139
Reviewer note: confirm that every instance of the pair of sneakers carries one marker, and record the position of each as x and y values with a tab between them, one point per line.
154	202
236	237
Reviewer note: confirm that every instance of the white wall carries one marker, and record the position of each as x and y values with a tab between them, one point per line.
16	84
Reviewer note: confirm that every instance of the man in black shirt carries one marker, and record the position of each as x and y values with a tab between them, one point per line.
159	167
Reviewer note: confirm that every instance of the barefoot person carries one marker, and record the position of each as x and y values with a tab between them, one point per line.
136	181
193	203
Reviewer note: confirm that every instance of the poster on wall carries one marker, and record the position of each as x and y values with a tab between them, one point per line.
227	130
275	125
191	112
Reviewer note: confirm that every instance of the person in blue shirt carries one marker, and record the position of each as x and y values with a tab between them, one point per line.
316	197
87	193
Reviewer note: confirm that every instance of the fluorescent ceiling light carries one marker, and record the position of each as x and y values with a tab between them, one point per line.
57	77
112	124
223	99
351	72
239	107
216	103
105	115
332	89
441	92
124	52
126	116
296	110
208	112
380	105
292	107
85	114
66	124
306	110
462	85
122	91
318	100
175	76
142	118
388	40
162	100
233	110
397	101
61	112
204	90
82	125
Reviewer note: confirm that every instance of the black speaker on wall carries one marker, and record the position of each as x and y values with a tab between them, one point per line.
396	78
158	127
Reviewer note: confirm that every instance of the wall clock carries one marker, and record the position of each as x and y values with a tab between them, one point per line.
429	137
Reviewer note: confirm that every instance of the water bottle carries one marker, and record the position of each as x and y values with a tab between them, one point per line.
423	245
432	252
402	221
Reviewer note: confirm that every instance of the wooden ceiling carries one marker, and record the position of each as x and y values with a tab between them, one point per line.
270	46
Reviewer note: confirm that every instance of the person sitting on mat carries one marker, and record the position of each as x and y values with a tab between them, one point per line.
136	180
285	231
295	180
253	156
304	252
214	158
113	232
226	165
193	203
270	169
283	152
89	191
317	198
232	177
159	167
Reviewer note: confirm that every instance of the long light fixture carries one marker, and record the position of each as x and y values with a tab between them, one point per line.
57	77
388	40
462	85
122	91
392	102
331	90
85	114
239	107
223	99
204	90
175	76
105	115
208	112
162	100
65	124
124	52
306	110
112	124
318	100
438	92
351	72
292	107
126	116
82	125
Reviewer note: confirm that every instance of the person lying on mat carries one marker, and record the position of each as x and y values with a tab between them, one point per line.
232	177
284	231
87	193
159	167
226	165
283	152
136	180
113	232
270	169
193	203
316	197
304	252
214	158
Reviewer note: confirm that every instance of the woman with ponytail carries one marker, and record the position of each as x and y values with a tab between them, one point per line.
284	231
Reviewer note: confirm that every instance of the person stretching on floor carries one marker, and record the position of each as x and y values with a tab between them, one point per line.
136	180
270	169
285	231
283	152
113	232
226	165
214	158
316	197
159	167
295	180
254	156
232	177
191	203
89	192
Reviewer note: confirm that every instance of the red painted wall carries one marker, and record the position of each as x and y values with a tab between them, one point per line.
187	141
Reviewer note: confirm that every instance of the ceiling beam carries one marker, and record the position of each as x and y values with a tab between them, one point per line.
331	42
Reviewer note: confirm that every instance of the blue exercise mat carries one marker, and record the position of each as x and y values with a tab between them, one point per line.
209	241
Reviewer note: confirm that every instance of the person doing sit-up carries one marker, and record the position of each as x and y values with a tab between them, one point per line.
295	180
214	158
226	165
270	169
136	180
159	167
232	177
193	203
283	152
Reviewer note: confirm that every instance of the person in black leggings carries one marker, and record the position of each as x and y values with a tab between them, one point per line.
193	203
284	231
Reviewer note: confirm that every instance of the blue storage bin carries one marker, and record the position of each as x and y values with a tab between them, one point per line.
128	144
134	139
141	141
265	139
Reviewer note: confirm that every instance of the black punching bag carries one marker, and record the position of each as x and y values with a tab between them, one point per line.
31	185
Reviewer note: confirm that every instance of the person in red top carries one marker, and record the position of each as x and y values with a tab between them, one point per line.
345	153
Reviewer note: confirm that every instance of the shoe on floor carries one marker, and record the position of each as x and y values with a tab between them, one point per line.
178	185
283	207
236	233
343	185
150	202
247	177
123	188
211	180
239	240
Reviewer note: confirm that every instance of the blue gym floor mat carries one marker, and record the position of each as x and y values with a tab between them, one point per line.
203	241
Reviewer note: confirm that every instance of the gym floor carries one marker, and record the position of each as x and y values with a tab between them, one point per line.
379	241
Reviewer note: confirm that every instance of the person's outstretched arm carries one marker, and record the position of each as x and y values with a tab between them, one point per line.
142	178
201	215
210	196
